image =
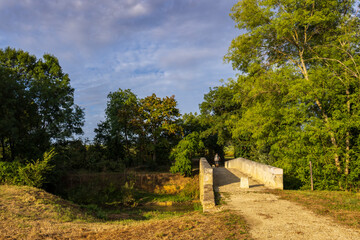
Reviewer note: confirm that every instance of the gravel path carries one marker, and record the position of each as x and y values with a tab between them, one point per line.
272	218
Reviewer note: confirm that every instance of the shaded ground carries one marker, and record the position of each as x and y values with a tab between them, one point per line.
272	218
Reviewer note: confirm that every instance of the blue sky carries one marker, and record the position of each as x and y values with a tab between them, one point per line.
167	47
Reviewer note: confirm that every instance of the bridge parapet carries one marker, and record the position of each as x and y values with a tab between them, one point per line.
271	176
206	179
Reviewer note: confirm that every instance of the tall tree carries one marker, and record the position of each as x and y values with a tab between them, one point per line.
39	103
118	131
218	107
160	116
122	112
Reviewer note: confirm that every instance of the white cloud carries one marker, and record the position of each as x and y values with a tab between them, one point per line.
138	10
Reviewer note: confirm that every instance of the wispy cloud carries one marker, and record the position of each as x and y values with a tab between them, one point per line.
162	46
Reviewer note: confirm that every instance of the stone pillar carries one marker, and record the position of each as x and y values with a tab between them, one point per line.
244	182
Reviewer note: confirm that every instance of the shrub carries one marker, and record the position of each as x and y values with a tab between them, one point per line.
31	174
184	151
9	172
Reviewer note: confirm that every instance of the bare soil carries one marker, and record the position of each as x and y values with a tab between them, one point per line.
270	217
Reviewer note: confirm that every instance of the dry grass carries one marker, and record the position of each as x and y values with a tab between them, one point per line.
30	213
344	207
223	225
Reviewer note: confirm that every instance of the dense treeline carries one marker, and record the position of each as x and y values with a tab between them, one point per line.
297	97
139	131
144	132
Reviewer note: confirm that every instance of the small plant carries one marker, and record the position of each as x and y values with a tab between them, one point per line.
33	174
96	211
191	191
128	193
198	207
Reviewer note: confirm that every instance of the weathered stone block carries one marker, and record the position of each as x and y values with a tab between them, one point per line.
244	182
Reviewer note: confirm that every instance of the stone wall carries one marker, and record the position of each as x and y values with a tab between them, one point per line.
271	176
207	197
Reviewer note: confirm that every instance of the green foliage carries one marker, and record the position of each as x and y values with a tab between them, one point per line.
190	191
32	174
159	116
9	172
118	130
75	155
182	154
37	104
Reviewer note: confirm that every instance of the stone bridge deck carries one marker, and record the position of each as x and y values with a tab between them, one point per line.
228	180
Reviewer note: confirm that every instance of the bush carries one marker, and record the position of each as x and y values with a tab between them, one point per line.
184	151
9	172
31	174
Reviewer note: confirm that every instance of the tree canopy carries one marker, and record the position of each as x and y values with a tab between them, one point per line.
37	104
297	97
137	130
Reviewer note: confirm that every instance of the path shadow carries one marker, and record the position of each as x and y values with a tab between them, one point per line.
223	176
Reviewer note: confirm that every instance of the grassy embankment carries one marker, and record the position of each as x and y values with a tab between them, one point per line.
31	213
343	207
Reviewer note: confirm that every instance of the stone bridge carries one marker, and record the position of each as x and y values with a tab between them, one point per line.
238	175
241	185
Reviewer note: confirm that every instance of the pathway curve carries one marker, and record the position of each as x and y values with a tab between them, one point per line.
272	218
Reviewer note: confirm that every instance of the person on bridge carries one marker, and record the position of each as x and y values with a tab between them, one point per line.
217	160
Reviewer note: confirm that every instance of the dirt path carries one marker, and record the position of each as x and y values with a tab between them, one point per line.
272	218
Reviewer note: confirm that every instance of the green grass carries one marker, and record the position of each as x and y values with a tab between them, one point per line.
220	198
146	197
235	223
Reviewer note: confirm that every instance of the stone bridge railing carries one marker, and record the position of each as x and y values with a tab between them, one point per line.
271	176
206	179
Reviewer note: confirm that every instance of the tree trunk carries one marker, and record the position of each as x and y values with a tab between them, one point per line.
12	150
127	142
3	149
154	153
347	154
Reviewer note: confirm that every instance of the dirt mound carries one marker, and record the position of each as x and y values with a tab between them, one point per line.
27	211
